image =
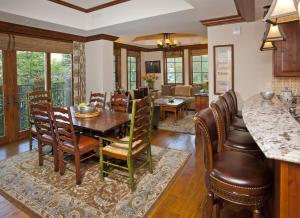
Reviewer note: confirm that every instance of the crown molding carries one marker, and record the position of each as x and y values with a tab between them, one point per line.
223	20
16	29
88	10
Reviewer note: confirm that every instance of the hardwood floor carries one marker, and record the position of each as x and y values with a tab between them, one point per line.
184	196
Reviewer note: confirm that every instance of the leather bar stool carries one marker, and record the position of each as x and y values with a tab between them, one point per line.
237	112
233	139
231	176
235	122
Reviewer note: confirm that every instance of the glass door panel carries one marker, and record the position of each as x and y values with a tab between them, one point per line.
2	126
31	76
61	79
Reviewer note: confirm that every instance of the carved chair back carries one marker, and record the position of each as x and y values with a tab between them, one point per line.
37	97
98	99
63	127
119	102
206	123
41	114
234	98
230	104
222	114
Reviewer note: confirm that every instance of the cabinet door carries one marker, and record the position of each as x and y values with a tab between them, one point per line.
287	55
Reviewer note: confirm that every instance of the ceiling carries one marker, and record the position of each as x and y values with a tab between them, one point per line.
127	20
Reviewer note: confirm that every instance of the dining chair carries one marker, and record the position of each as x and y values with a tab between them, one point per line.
98	99
129	148
119	102
41	114
35	97
69	142
231	176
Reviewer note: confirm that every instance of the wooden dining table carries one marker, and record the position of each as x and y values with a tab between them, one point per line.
106	121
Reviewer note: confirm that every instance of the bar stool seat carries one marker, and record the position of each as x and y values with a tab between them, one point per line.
239	114
240	140
242	170
239	124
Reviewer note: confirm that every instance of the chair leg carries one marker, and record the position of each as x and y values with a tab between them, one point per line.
61	162
40	149
55	157
130	173
78	173
209	205
101	164
149	159
257	213
30	140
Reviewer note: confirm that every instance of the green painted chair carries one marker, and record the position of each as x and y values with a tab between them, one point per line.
35	97
130	147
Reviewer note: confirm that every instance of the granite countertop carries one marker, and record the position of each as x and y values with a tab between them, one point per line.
273	128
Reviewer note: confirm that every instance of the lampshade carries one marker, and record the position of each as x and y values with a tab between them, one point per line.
266	46
282	11
273	33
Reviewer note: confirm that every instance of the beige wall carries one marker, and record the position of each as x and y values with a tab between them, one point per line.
252	67
99	67
153	56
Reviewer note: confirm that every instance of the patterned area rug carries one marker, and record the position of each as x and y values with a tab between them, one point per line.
47	194
184	125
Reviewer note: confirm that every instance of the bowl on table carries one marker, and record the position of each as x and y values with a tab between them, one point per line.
87	109
268	95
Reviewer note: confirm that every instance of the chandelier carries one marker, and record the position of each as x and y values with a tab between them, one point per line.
167	42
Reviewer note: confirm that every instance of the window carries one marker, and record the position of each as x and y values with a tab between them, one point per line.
1	97
199	69
132	73
174	69
31	76
61	79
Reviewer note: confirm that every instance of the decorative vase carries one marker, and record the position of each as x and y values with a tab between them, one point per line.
150	84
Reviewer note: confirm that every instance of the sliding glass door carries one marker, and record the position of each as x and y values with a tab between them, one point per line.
31	76
61	79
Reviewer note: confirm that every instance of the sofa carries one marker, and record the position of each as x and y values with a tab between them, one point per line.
185	92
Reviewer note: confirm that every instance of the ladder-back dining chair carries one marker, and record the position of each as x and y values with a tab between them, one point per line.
35	97
69	142
130	147
41	114
98	99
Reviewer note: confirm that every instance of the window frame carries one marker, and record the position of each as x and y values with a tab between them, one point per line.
137	55
191	70
166	82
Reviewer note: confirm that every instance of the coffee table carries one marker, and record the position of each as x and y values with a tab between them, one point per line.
177	107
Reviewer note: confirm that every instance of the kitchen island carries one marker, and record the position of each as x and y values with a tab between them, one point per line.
277	134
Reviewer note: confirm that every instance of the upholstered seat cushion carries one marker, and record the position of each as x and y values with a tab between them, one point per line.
240	169
240	140
239	114
238	123
84	142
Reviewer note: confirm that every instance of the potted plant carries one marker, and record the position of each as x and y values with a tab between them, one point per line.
150	79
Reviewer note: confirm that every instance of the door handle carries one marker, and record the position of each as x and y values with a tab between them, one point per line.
7	103
15	100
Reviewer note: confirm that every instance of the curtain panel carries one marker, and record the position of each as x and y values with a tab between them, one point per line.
79	73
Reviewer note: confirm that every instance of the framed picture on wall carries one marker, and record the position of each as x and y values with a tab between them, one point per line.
223	68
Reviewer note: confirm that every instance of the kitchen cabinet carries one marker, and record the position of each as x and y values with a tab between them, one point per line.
287	56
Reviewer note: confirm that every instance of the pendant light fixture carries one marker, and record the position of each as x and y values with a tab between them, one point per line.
273	33
282	11
266	46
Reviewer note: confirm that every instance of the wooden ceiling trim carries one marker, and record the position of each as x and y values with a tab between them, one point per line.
88	10
11	28
138	48
245	12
